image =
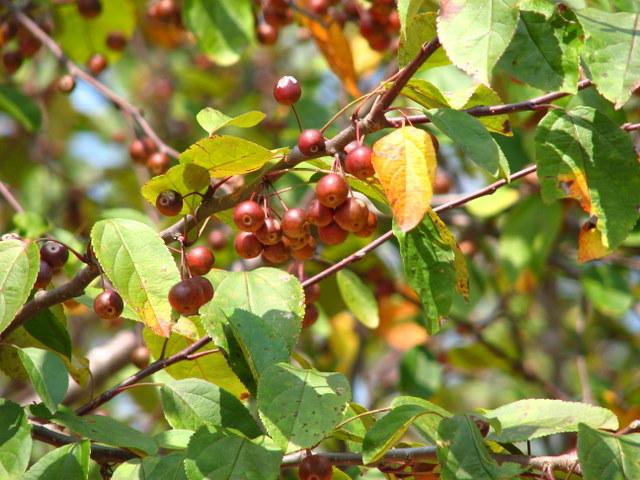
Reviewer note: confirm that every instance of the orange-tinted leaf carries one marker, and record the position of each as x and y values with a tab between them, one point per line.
590	245
405	164
336	50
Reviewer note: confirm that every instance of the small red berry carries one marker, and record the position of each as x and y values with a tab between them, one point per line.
247	245
97	63
332	234
169	203
351	146
287	90
217	239
138	151
304	253
314	467
55	254
311	293
270	233
45	273
294	223
370	227
108	305
277	253
248	216
318	214
200	260
358	162
332	190
89	8
310	317
267	34
158	163
186	297
319	7
352	215
311	142
66	83
205	287
116	41
140	357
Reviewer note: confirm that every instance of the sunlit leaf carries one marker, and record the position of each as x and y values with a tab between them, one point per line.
184	179
19	265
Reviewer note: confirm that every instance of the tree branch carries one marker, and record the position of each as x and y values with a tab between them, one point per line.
10	198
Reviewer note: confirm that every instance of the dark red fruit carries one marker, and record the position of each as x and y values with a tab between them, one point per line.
205	287
44	275
138	151
248	216
351	146
319	7
158	163
380	41
149	145
66	83
277	253
169	203
140	357
247	245
267	34
314	467
442	183
304	253
310	317
294	223
311	293
370	227
332	234
108	305
277	17
186	297
55	254
217	239
332	190
351	215
270	233
311	142
12	60
200	260
297	243
287	90
97	63
116	41
358	162
29	45
318	214
89	8
167	8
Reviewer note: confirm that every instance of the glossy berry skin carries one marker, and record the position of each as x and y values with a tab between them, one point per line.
287	90
315	467
66	84
310	317
371	226
358	162
247	245
89	8
45	272
169	203
351	146
311	142
277	17
138	151
311	293
277	253
140	357
108	305
97	63
267	34
319	7
318	214
158	163
248	216
304	253
186	297
297	243
294	222
271	232
205	287
217	239
332	190
200	260
55	254
351	215
332	234
116	41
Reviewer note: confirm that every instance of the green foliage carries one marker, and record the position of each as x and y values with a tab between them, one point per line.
604	455
68	462
48	375
213	120
15	440
20	107
149	468
358	298
19	264
184	179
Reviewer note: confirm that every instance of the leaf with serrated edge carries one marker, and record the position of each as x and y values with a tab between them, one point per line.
184	179
405	163
19	265
604	455
139	265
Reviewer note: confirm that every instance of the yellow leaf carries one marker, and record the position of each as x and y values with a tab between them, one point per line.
336	50
590	246
344	341
405	163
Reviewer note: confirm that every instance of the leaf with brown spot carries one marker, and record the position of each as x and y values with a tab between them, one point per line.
590	245
405	163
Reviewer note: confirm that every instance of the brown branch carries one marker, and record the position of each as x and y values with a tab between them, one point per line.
462	200
630	127
76	71
10	198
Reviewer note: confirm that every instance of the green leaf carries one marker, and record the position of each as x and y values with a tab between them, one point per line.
535	418
472	137
184	179
48	375
420	373
20	107
264	309
475	33
607	288
433	266
388	431
223	28
612	52
299	407
176	439
213	120
358	298
49	330
543	7
226	455
605	455
463	455
139	265
426	425
224	155
70	462
213	367
168	467
15	440
80	38
544	53
106	430
584	155
416	30
19	265
192	403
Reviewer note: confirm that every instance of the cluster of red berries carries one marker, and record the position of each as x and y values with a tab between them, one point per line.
188	295
165	11
53	256
145	151
315	467
378	23
19	42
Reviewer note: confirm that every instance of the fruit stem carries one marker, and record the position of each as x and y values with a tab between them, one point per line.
295	113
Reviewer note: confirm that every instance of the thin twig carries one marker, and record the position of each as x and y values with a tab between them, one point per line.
9	197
